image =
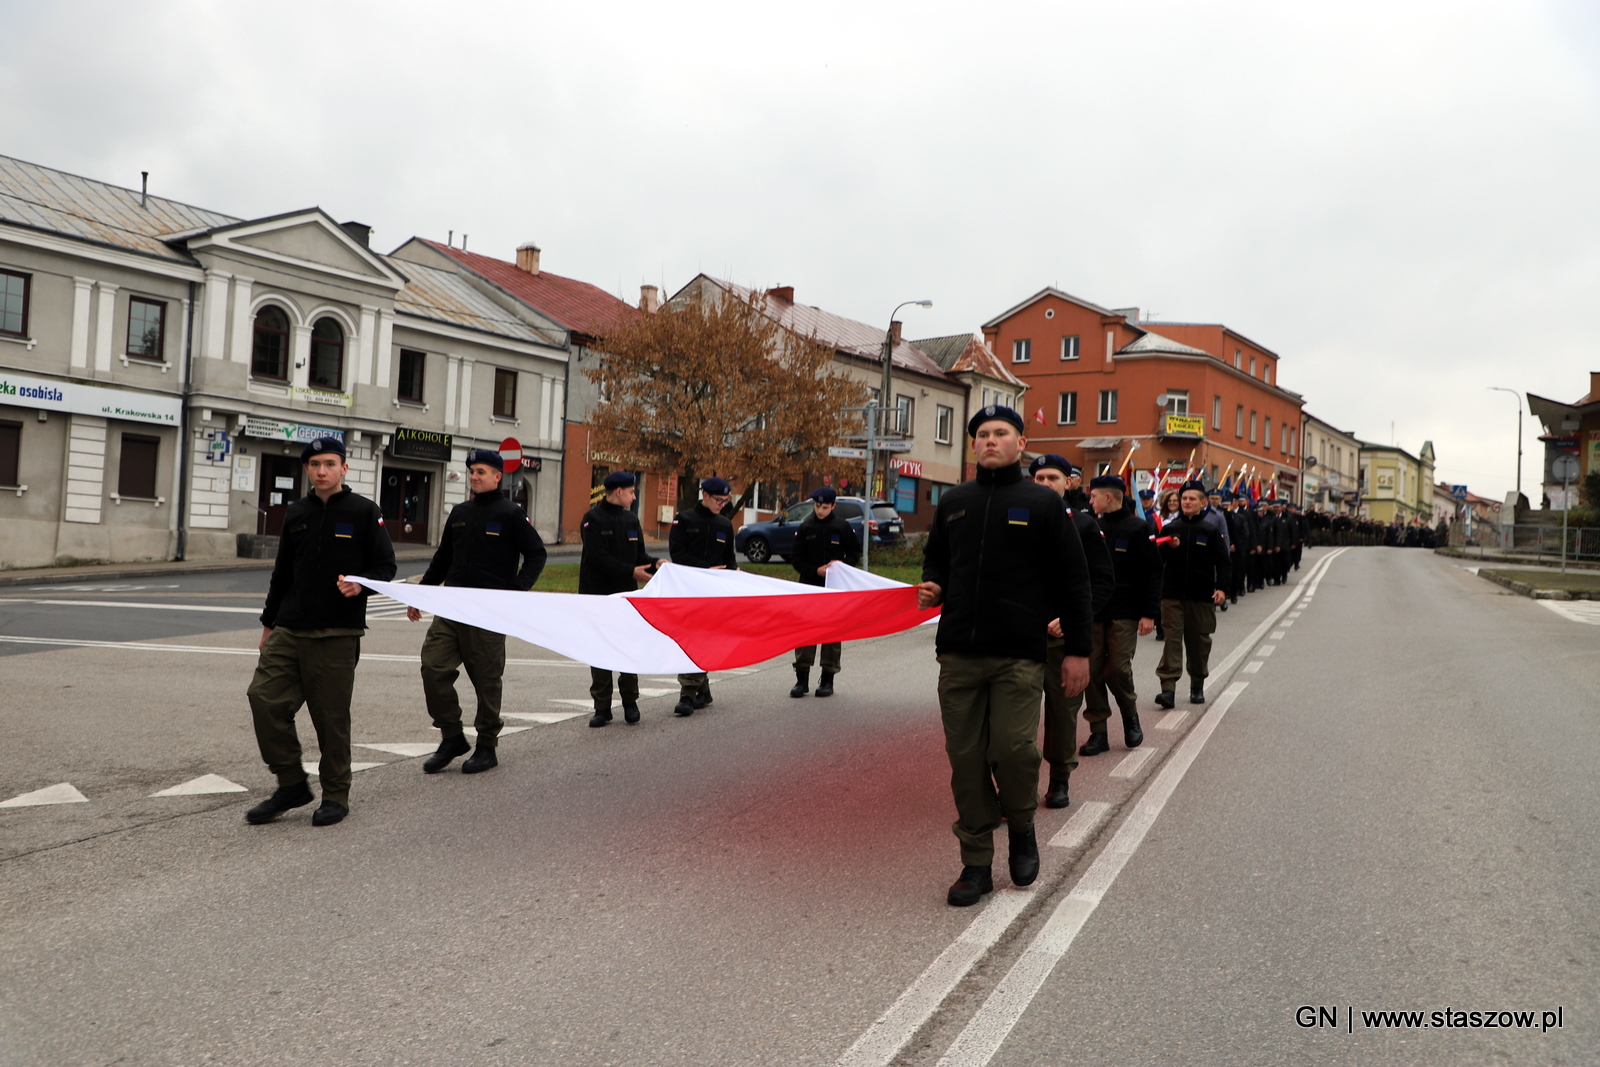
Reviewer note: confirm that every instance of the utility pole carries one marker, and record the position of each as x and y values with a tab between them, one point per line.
1513	392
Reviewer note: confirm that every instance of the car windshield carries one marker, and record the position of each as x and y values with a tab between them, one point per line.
799	513
882	512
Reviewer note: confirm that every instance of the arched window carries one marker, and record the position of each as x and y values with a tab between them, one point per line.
327	355
270	357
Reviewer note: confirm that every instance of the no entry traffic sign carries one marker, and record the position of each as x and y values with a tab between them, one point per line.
511	453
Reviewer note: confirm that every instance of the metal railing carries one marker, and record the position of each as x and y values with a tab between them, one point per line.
1542	543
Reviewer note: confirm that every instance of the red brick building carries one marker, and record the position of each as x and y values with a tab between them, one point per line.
1102	383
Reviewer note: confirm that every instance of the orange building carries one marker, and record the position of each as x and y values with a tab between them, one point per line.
1101	383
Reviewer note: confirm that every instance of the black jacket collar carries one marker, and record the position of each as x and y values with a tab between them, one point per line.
1000	476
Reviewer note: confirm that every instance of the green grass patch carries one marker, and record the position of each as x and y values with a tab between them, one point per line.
1571	581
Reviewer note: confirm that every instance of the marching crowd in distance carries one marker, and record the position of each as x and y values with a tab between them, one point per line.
1044	588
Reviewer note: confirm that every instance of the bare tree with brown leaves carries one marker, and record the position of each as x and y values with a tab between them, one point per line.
716	386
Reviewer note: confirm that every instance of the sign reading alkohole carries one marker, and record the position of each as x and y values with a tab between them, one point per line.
408	443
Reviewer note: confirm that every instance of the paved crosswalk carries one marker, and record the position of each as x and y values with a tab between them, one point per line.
1584	611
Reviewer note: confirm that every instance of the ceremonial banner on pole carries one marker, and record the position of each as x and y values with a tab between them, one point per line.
684	620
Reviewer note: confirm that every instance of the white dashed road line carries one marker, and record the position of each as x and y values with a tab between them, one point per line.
1133	763
1084	821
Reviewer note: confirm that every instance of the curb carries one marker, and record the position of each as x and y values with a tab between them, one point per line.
1534	593
1512	561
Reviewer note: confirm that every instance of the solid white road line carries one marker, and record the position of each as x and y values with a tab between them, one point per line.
148	646
1133	763
131	604
894	1028
1084	821
994	1021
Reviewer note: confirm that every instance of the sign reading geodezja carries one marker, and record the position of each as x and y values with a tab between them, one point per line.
286	431
79	399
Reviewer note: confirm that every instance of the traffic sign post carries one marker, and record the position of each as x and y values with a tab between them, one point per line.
872	443
1565	467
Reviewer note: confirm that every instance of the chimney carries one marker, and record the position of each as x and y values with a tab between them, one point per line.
528	257
1131	314
1594	386
783	292
144	187
894	331
649	299
360	232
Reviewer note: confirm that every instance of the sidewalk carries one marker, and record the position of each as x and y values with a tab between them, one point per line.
1499	557
567	553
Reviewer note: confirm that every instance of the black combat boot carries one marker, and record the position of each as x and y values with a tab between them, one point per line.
329	813
1096	744
802	682
1024	857
1131	734
282	799
448	749
601	717
1197	693
702	699
684	707
1056	795
971	886
1165	699
630	712
482	759
825	687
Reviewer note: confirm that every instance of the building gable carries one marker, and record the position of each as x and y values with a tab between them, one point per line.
302	241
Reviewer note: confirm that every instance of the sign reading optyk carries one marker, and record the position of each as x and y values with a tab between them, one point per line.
78	399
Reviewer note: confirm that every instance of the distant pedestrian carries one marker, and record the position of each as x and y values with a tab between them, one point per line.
484	538
824	538
1194	581
1129	614
1004	560
311	633
614	561
702	537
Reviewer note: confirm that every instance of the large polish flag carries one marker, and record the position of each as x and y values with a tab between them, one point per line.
684	620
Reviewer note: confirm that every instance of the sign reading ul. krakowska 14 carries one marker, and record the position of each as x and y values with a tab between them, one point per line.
79	399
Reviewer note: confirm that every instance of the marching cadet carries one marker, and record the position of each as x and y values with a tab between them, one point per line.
1060	747
1003	559
702	537
311	633
614	561
483	539
1194	581
822	540
1130	614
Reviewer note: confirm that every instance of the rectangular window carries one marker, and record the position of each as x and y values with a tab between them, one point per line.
1283	439
10	453
1252	366
1266	372
1177	402
1216	414
14	289
943	423
505	394
411	366
1238	359
1238	421
1069	347
136	477
904	412
1252	427
146	326
1067	409
1266	432
1108	405
1021	351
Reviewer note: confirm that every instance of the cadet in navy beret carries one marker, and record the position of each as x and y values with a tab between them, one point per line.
322	446
702	536
1050	459
618	480
1108	481
995	411
487	458
826	494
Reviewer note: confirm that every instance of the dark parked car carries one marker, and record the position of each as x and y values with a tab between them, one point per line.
760	541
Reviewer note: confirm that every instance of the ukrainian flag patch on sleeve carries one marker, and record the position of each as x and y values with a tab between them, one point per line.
1018	516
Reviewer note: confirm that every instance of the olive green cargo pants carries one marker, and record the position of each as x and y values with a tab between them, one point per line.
600	688
449	646
1189	625
1111	667
1060	714
990	709
319	672
806	656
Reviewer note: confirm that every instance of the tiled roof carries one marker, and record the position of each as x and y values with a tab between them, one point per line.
53	200
845	335
1051	290
1154	342
578	306
967	353
440	295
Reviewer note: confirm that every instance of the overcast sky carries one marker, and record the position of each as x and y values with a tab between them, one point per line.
1399	199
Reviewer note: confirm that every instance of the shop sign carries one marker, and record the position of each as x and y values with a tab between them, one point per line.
274	430
1188	425
218	446
323	396
29	392
911	468
408	443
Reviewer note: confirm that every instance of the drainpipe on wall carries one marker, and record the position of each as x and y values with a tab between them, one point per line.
186	456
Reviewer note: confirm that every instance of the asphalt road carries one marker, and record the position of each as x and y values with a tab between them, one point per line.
1392	810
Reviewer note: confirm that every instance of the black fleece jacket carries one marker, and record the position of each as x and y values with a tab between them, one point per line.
1008	560
701	539
820	541
321	541
483	538
1132	542
613	545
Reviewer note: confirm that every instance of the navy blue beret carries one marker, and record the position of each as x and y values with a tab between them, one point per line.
483	455
1195	484
1108	481
992	412
716	487
322	446
1050	459
827	494
618	480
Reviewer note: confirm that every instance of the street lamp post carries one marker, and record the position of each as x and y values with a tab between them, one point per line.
1513	392
883	406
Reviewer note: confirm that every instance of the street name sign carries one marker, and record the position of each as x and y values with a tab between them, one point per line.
847	453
